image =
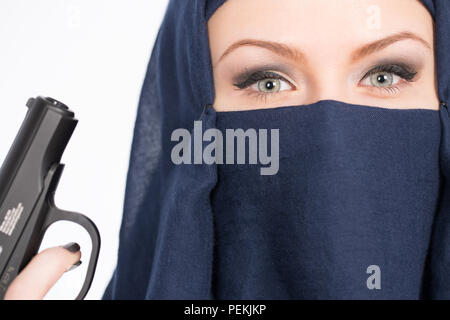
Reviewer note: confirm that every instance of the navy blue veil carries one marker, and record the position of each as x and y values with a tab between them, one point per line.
346	198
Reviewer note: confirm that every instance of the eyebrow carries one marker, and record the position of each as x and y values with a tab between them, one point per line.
297	55
279	48
378	45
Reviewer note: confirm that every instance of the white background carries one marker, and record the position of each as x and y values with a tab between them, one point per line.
91	55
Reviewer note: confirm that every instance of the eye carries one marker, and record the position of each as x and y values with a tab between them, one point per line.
271	85
383	79
264	82
388	76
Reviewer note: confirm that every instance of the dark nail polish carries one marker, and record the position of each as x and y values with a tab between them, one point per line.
72	247
74	266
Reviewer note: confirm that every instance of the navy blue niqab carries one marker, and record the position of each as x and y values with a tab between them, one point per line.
364	189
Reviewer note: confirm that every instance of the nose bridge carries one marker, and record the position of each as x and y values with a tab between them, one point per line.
328	83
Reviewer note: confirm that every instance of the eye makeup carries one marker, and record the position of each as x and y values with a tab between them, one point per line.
252	75
402	70
259	76
401	73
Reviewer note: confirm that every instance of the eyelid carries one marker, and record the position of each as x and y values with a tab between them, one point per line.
277	67
245	80
402	70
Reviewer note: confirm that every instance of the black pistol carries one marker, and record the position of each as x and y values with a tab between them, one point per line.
28	180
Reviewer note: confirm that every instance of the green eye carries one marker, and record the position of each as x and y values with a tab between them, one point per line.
269	85
264	82
382	79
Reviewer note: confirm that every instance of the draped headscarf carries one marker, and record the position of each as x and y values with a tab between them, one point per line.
218	231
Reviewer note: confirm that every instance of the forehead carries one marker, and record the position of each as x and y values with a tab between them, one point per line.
312	23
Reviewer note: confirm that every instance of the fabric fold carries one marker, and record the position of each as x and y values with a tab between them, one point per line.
182	264
437	276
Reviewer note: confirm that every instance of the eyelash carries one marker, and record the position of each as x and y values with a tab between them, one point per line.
405	72
250	78
259	76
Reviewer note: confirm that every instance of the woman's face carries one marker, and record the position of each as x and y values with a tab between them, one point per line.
268	53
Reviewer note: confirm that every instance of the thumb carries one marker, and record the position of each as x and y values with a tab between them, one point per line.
42	272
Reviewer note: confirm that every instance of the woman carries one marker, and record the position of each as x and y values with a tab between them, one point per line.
359	206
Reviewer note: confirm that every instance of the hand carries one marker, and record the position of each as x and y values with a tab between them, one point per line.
43	271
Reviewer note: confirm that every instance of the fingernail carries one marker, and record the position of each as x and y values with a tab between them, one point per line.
72	247
73	266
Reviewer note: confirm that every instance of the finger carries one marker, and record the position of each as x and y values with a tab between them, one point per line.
42	272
